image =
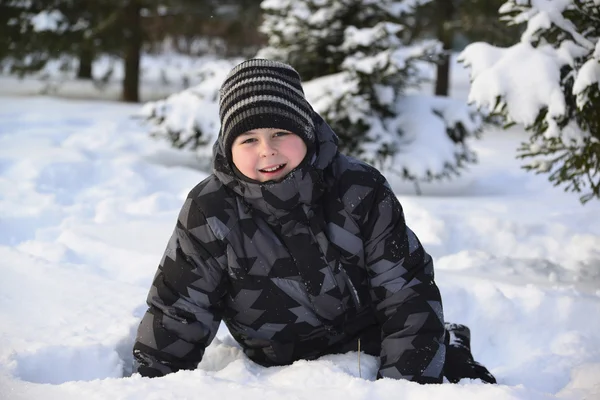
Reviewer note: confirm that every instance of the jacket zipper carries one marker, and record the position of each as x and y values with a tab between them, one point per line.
353	291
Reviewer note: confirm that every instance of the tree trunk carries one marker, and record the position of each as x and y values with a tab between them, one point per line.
445	35
86	58
132	50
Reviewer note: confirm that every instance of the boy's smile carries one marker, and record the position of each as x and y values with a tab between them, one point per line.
267	154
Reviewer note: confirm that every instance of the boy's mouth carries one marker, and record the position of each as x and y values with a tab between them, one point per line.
273	169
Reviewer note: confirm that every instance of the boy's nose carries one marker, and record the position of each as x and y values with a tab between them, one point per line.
267	149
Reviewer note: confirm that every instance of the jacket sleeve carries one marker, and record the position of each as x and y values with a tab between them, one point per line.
184	300
406	299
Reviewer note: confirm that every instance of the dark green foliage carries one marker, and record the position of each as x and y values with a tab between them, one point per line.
477	21
457	22
571	162
83	28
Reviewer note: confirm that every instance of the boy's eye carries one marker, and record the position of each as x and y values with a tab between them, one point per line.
280	133
249	140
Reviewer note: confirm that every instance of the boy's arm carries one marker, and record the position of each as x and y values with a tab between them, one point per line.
406	299
184	300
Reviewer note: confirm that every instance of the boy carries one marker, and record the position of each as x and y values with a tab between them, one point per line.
300	250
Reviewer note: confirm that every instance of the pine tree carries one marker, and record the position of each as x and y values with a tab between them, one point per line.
454	22
477	20
562	44
372	50
366	60
35	32
31	34
307	33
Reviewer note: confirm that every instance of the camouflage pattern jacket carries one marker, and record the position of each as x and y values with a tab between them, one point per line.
296	269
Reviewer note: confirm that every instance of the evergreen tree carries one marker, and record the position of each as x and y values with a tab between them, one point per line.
38	31
561	48
477	20
458	22
242	36
307	33
374	49
32	33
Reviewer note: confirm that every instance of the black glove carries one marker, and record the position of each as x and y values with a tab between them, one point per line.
459	359
460	364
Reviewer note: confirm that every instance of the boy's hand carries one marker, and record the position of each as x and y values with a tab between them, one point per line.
460	364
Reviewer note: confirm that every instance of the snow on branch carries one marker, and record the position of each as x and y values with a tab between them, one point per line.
418	136
549	82
497	84
190	119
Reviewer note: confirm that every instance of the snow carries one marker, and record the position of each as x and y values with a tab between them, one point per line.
588	75
371	45
354	37
530	83
535	84
423	144
191	110
397	8
47	21
88	202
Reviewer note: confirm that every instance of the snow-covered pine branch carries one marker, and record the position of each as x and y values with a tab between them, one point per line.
190	119
422	143
549	82
306	33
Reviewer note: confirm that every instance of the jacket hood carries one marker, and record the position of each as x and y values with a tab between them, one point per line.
304	185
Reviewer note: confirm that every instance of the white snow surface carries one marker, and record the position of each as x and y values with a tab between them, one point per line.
88	202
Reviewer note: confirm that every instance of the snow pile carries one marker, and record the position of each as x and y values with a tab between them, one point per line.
88	201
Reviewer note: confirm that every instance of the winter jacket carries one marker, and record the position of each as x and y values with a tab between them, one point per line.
296	269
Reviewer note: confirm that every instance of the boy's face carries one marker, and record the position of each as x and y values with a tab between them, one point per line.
267	154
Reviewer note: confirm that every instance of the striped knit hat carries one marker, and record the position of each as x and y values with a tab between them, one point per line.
263	94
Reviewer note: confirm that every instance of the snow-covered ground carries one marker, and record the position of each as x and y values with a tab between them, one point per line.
88	201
